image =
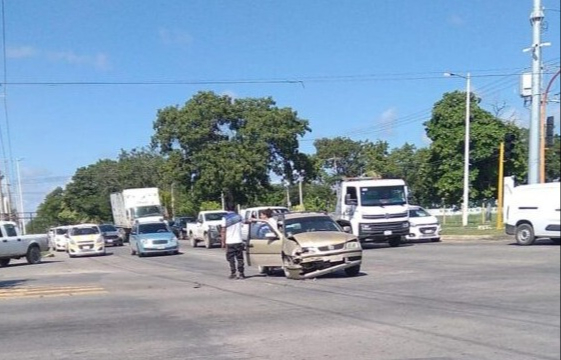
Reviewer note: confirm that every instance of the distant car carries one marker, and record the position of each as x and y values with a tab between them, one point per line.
57	237
153	238
423	225
84	239
179	226
111	235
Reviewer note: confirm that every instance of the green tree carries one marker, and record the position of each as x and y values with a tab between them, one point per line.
446	129
218	145
553	160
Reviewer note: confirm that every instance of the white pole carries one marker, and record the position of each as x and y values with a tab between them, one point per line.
466	153
536	19
22	217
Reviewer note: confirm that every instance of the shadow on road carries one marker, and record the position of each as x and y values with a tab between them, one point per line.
6	284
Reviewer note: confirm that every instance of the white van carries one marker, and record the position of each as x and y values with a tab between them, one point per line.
533	212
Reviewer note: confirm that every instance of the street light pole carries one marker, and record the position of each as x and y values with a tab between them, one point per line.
465	205
20	191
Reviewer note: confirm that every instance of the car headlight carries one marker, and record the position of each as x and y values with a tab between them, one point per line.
145	241
173	240
352	245
100	239
412	225
405	224
309	250
71	241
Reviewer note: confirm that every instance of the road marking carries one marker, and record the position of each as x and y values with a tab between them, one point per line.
49	291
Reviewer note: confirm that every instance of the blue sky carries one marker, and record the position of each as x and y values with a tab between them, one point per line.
366	69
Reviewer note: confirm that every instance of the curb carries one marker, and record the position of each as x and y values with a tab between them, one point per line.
473	237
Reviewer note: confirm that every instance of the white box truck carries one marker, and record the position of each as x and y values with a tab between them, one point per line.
141	204
375	209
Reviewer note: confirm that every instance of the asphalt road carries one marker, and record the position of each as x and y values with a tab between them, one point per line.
455	300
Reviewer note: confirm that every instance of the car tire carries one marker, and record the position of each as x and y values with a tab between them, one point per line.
352	271
556	241
133	251
4	262
140	253
293	274
394	241
525	234
33	255
263	270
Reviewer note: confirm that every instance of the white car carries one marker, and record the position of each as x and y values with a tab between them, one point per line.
57	237
422	225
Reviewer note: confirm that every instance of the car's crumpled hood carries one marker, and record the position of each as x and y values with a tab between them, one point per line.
322	238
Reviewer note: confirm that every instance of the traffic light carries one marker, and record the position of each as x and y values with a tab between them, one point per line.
510	140
549	130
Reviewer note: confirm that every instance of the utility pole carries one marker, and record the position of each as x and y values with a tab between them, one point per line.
1	198
542	126
500	187
536	19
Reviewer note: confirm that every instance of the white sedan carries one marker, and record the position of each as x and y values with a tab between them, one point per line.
423	225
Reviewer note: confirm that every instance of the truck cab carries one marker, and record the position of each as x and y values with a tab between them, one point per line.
205	229
375	209
13	245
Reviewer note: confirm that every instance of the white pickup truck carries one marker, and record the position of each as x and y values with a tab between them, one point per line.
205	229
13	245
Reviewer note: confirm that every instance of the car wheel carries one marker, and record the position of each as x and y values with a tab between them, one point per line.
33	255
525	234
353	271
394	241
293	274
556	241
140	253
264	270
4	262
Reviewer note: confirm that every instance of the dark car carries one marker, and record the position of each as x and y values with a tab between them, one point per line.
111	235
179	224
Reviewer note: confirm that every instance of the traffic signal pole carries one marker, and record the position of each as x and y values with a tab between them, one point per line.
500	187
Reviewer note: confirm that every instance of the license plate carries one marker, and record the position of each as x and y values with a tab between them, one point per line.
160	247
388	232
429	231
85	248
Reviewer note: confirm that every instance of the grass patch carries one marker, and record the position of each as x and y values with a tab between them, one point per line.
477	225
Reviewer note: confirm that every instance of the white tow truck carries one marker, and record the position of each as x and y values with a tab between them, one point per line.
13	245
206	227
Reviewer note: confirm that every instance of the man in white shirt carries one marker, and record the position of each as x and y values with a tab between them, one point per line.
231	239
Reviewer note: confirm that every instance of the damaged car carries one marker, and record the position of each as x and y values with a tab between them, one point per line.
305	245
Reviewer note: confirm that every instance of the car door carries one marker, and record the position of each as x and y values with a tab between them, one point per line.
133	237
7	244
264	245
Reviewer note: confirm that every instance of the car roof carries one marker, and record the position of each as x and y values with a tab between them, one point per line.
299	215
84	225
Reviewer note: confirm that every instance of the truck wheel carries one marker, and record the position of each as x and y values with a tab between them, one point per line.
192	240
353	271
525	234
208	241
4	262
394	241
33	255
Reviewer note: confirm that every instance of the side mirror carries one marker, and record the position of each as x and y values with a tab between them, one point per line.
350	201
347	229
271	236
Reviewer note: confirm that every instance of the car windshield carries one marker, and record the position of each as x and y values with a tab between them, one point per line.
84	231
214	216
383	195
310	224
144	211
152	228
108	228
61	231
418	213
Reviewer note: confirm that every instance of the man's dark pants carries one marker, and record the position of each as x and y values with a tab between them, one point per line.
234	252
